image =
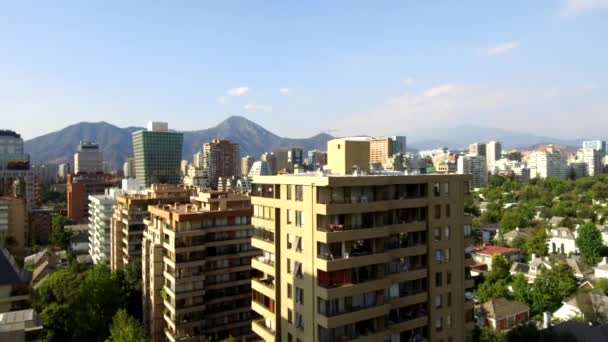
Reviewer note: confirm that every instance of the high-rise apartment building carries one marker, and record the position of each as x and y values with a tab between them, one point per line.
352	255
158	154
260	168
16	177
128	168
271	159
222	159
598	145
196	268
63	171
593	159
381	150
493	153
478	149
198	159
246	163
197	177
316	159
100	217
399	144
128	217
547	162
474	165
13	224
80	186
88	158
288	158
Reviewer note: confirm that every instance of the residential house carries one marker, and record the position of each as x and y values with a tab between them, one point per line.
562	241
601	270
502	314
555	221
578	268
517	233
486	253
604	230
488	232
590	306
532	269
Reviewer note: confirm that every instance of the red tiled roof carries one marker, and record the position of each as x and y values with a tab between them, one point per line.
496	250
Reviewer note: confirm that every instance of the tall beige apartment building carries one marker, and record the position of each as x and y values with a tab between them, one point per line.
360	256
128	220
380	150
196	269
222	159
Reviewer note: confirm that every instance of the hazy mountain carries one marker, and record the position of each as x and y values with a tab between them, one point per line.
460	137
117	145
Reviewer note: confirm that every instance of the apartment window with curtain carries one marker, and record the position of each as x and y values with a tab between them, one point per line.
448	232
299	219
299	193
288	191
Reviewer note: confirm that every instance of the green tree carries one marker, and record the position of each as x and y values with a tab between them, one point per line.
602	284
129	279
125	328
489	290
589	243
512	219
59	236
500	268
536	242
487	335
521	289
551	288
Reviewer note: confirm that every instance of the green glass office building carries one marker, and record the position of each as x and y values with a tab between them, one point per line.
158	154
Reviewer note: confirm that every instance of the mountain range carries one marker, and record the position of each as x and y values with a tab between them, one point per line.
116	143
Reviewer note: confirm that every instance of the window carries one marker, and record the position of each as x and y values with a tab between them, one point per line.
289	337
467	190
437	211
446	188
290	316
438	301
288	192
437	233
299	295
438	279
299	321
289	291
298	340
448	232
436	190
448	321
447	211
289	241
449	277
289	216
439	324
449	298
439	256
299	193
467	230
448	252
299	221
288	266
298	242
298	269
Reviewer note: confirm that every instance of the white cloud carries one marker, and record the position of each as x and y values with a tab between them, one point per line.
408	81
575	7
221	99
240	91
284	91
252	107
591	86
501	49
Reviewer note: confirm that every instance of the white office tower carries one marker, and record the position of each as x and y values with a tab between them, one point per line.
474	165
156	126
197	159
197	177
578	169
100	216
593	159
547	162
260	168
63	171
493	153
88	158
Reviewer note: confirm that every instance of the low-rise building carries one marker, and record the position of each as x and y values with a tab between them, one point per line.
487	253
532	269
21	326
601	270
14	281
502	314
590	306
562	241
516	234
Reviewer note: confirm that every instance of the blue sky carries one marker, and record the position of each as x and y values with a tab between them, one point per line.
298	68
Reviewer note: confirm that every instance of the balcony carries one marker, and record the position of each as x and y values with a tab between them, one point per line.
259	327
263	264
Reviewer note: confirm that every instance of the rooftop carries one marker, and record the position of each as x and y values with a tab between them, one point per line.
9	133
497	250
501	307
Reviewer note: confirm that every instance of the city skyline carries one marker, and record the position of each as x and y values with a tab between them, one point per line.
409	67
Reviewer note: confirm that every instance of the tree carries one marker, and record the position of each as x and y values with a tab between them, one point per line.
589	243
500	268
59	236
551	287
521	289
512	219
125	328
487	335
602	284
489	290
129	279
536	242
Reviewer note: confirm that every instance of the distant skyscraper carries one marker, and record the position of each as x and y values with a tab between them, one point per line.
271	158
15	169
478	149
184	167
88	158
158	154
260	168
64	170
316	159
129	168
287	158
474	165
593	159
222	159
198	159
380	150
598	145
547	162
493	153
399	144
246	164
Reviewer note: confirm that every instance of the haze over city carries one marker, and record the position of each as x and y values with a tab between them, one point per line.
298	69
